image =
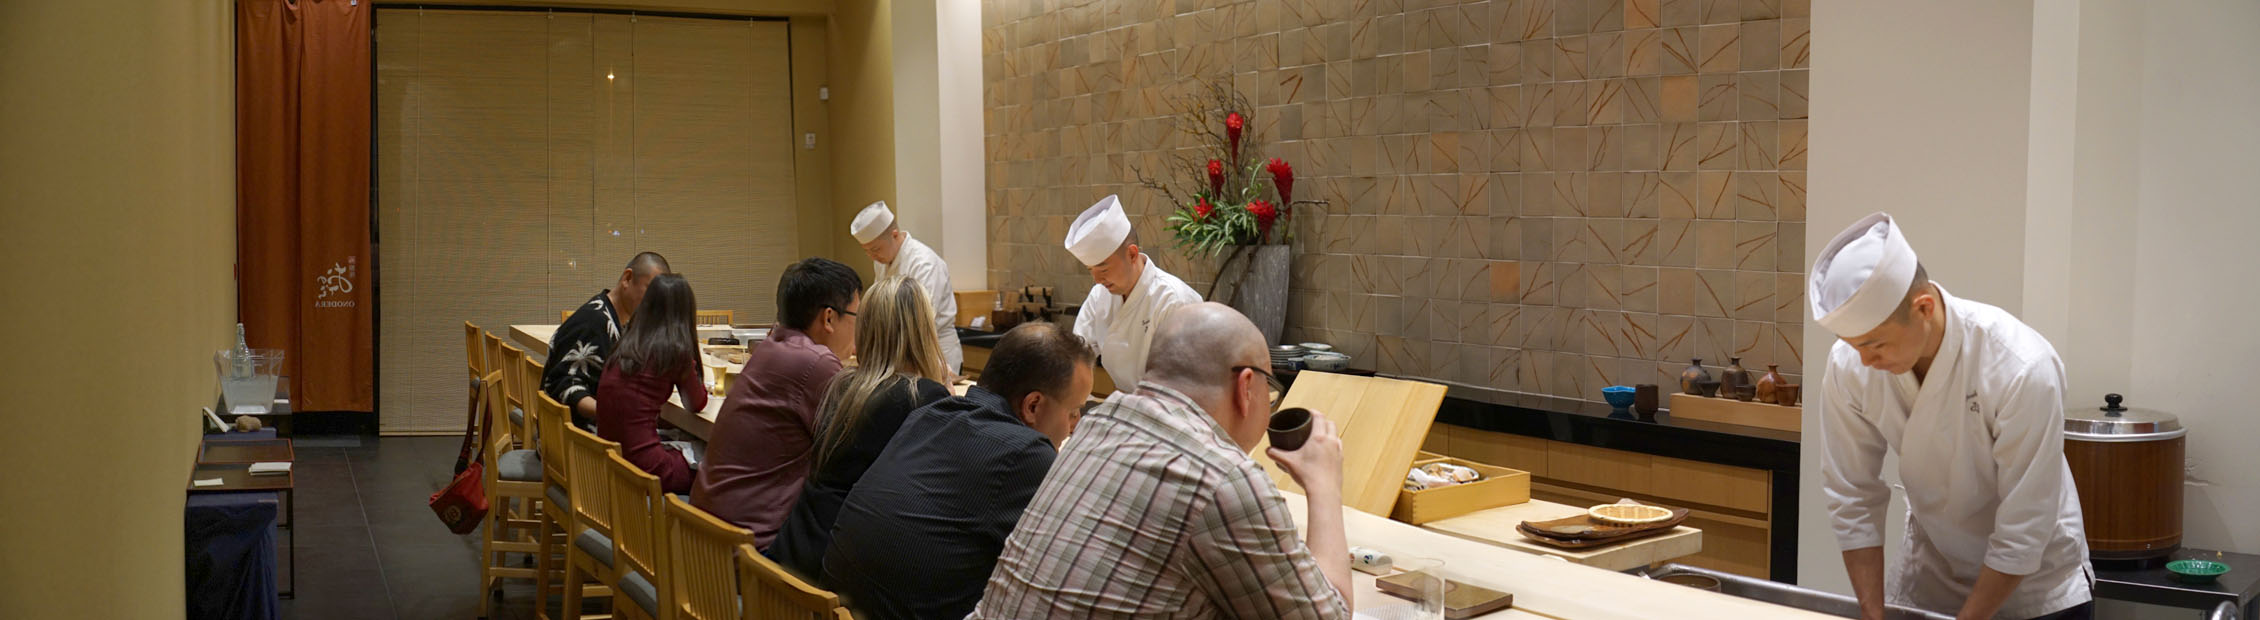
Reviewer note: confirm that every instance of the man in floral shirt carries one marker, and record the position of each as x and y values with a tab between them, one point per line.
578	350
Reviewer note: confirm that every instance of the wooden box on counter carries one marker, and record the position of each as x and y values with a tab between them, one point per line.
1730	411
1499	487
972	304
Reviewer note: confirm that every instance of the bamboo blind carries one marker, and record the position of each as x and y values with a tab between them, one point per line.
523	157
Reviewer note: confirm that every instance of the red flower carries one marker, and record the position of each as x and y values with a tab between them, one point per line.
1283	176
1215	178
1232	125
1202	209
1265	213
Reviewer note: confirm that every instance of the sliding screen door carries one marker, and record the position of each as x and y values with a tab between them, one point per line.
524	157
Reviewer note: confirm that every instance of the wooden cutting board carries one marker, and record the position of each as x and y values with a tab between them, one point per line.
1382	423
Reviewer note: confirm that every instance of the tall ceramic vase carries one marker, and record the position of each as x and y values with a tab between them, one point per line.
1254	281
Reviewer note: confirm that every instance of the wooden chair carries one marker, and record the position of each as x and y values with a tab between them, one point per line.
635	539
513	368
717	317
475	355
509	476
556	517
565	315
773	594
473	351
701	572
592	553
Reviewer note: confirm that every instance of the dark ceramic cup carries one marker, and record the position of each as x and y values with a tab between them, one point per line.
1290	427
1645	399
1707	387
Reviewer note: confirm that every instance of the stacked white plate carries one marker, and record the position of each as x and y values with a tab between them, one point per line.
1285	355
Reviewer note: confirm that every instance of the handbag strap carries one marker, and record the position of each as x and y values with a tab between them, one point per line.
474	429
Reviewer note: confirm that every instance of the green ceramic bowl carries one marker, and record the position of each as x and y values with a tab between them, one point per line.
2197	571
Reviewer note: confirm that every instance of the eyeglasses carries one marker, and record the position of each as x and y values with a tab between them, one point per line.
842	311
1278	390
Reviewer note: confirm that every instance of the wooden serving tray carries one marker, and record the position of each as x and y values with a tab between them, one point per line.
1563	532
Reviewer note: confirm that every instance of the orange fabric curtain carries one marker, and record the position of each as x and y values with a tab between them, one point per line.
304	281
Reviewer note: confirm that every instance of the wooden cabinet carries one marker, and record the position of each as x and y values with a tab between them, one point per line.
1732	505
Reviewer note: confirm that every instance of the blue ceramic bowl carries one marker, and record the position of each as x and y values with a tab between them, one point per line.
1618	396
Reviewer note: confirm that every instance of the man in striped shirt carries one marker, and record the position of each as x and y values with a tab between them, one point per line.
1155	510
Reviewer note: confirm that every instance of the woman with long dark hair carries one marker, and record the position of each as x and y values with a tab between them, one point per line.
899	369
657	353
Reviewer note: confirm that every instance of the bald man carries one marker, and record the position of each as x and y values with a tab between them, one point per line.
1158	487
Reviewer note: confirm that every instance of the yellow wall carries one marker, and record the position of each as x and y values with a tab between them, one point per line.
117	241
862	118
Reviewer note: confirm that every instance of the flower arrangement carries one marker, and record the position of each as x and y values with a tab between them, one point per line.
1236	198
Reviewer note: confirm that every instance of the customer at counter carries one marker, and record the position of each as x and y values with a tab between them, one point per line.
952	484
1132	292
757	455
1158	490
577	351
899	369
658	354
893	252
1973	401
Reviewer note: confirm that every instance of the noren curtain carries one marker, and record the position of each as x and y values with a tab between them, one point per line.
302	195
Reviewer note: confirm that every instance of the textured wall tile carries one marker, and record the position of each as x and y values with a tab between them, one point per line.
1526	198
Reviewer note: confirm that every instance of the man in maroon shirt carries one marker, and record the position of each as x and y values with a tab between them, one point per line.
757	457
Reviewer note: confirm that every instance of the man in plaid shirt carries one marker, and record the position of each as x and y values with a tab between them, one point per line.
1155	510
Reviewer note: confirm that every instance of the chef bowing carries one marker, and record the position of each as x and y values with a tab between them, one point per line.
894	252
1973	402
1131	294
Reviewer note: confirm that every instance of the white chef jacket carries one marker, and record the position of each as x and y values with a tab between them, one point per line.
922	265
1123	326
1981	455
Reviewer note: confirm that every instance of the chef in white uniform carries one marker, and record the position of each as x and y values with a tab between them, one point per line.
1131	294
893	252
1973	402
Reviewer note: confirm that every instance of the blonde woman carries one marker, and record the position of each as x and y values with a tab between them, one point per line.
899	369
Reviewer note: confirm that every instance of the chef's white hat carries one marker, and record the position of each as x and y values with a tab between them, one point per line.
1099	231
871	221
1861	276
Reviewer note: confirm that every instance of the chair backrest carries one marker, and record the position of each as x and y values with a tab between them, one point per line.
492	346
529	386
585	479
717	317
635	522
497	440
773	594
473	353
550	442
701	569
564	315
512	368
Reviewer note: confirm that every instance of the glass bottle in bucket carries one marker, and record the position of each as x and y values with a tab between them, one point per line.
240	358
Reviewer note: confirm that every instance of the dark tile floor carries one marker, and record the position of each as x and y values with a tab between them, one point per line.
369	547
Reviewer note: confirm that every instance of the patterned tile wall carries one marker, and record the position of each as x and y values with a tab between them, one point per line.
1529	199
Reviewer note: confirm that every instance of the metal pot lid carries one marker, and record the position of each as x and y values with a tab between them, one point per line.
2116	422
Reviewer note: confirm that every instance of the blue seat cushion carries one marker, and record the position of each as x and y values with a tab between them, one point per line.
558	501
597	545
639	589
518	466
517	417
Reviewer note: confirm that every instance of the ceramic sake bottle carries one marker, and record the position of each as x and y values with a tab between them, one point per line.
1734	378
1693	375
1769	386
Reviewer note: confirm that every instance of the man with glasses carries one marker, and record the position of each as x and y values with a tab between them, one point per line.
758	454
1155	509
